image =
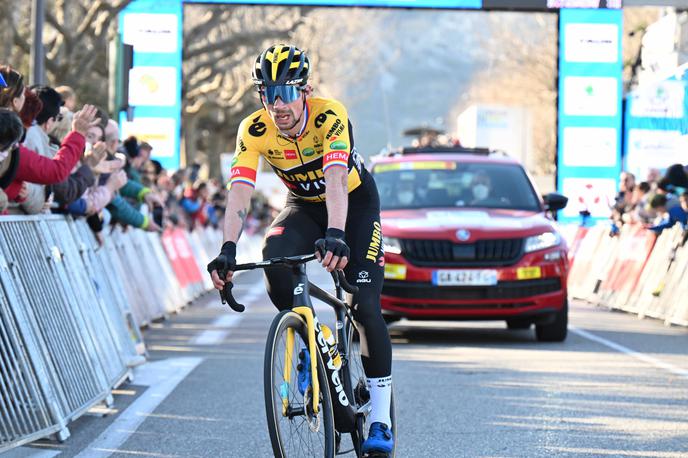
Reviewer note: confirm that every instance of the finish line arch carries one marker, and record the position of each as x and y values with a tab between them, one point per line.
589	123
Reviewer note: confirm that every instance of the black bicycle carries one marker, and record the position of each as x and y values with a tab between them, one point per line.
302	356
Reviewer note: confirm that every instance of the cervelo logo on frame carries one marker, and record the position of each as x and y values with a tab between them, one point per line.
334	371
299	289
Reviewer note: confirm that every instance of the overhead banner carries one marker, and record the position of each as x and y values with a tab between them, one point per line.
154	29
590	95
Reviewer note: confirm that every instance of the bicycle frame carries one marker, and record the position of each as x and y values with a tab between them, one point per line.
344	414
303	306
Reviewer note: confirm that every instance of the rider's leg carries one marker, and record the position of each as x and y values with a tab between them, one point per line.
293	233
366	271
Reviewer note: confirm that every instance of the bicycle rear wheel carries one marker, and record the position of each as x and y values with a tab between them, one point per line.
359	389
295	431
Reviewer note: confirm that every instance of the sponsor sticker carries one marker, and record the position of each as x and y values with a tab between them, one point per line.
528	273
290	154
415	165
395	271
339	145
308	152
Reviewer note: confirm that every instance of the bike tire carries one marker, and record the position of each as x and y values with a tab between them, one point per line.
356	375
282	440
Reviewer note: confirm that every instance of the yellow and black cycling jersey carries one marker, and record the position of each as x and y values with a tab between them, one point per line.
327	141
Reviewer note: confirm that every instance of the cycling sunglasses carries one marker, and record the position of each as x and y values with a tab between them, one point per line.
287	94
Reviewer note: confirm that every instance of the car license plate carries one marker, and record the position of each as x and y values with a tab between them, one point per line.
464	277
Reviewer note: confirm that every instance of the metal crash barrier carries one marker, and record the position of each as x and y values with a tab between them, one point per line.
636	271
71	313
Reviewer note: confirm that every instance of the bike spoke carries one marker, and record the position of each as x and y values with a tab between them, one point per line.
298	438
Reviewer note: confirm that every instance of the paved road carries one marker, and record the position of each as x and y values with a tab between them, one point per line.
617	387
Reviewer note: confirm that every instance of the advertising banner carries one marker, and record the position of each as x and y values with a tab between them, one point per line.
590	94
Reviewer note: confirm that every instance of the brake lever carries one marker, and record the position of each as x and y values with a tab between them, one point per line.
228	298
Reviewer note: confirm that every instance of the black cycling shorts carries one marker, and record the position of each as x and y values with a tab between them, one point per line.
295	231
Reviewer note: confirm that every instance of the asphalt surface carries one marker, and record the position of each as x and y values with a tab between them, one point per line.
617	387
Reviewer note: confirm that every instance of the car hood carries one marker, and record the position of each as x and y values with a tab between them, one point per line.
480	223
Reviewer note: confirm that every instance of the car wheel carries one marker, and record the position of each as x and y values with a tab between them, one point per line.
514	325
554	331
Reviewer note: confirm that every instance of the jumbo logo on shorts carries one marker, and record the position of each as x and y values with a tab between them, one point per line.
375	242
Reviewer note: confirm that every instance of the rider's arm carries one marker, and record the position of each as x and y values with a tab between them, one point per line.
337	196
238	201
241	183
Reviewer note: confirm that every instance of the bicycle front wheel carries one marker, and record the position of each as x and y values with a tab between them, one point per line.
295	430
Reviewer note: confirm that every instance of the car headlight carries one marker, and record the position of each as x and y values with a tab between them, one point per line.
392	245
542	241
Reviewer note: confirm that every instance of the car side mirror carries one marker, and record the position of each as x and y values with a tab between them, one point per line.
554	201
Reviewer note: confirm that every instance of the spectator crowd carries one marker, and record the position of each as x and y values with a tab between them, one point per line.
59	157
658	203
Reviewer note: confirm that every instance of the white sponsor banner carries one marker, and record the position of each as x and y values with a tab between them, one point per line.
156	86
662	100
159	132
591	43
157	33
653	149
592	194
590	146
591	96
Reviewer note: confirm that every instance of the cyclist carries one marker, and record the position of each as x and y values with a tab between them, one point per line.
333	204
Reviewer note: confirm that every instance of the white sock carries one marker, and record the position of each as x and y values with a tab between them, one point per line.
380	400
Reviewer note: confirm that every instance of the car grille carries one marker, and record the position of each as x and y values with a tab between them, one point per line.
502	290
500	252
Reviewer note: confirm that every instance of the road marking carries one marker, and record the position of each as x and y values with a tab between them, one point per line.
209	337
620	348
29	452
216	336
162	377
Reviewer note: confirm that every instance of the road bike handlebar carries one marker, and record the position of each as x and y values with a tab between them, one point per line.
288	261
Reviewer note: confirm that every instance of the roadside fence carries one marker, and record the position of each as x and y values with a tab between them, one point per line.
71	314
636	271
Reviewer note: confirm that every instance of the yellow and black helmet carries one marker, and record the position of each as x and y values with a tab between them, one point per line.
281	65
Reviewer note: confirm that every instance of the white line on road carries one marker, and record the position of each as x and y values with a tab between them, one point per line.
162	377
215	336
642	357
209	337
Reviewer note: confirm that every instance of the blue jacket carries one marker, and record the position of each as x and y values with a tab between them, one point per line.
676	215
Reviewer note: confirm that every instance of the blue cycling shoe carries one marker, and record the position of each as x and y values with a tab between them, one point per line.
304	370
380	439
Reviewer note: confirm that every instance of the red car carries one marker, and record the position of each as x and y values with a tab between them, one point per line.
467	237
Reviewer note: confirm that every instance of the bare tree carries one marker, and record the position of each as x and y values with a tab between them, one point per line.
76	37
521	70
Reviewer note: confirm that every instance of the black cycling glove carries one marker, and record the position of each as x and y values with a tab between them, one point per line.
225	261
334	242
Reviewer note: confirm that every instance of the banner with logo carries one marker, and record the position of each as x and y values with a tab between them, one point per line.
590	95
657	125
154	29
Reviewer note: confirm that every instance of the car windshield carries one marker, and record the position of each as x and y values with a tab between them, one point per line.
427	184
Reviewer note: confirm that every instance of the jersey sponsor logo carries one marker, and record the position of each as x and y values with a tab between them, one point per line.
275	154
322	117
336	129
309	181
290	154
258	128
339	145
308	152
336	156
275	231
296	81
363	277
242	146
375	242
234	161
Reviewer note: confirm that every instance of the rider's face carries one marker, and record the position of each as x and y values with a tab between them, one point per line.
286	116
